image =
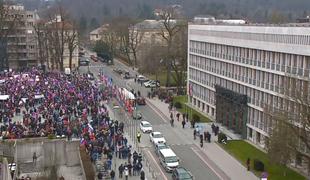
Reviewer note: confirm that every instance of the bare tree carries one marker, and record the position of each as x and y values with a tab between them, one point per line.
42	39
58	29
72	42
290	122
169	32
134	41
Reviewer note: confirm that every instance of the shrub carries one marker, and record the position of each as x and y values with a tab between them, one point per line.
178	105
259	165
196	118
221	136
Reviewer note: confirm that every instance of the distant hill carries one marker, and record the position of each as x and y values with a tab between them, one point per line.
94	12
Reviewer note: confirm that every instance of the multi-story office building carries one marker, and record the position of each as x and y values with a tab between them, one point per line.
236	73
21	46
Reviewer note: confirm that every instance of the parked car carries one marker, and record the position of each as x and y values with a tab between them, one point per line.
157	137
181	173
118	70
151	84
146	127
94	58
160	146
127	75
168	159
83	62
142	79
137	115
141	101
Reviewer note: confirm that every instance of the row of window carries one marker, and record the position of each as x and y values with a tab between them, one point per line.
255	96
262	79
276	38
288	63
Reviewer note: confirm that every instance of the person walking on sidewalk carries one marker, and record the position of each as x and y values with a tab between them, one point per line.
178	116
126	173
142	175
183	124
172	122
195	134
112	174
201	140
120	171
139	137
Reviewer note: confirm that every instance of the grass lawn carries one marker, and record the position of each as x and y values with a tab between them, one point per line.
185	108
242	150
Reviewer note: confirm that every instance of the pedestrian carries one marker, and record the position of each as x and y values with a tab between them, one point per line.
172	122
201	140
100	176
187	117
112	174
183	123
34	158
129	166
129	157
213	127
134	168
195	133
248	163
178	116
208	137
138	136
120	171
171	115
126	173
142	175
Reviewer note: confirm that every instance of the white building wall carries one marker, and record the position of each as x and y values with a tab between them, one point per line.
250	60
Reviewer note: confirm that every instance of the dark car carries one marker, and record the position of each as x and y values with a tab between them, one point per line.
141	101
118	70
83	62
181	174
127	75
137	115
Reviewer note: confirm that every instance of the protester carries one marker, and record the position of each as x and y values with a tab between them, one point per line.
55	105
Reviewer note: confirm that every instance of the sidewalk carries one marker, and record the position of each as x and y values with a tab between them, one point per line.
228	164
116	162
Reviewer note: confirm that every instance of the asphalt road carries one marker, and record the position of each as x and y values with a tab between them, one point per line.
191	157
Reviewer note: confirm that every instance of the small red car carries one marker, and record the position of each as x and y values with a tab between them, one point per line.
94	58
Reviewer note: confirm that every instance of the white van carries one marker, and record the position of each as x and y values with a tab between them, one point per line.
168	159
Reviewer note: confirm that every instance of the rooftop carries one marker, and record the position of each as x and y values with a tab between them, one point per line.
209	20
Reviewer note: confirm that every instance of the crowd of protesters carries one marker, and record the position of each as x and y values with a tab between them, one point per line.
37	104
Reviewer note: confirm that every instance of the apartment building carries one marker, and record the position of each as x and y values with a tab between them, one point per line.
236	73
21	45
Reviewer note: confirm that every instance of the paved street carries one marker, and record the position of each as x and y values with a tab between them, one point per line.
210	162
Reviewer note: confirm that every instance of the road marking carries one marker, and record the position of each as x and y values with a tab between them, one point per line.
162	173
157	111
208	164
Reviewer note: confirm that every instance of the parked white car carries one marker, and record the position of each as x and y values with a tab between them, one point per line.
157	137
146	127
151	83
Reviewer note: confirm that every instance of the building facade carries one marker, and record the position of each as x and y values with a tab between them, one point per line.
148	34
236	72
21	42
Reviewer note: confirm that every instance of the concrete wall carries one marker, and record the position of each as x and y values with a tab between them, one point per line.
49	153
